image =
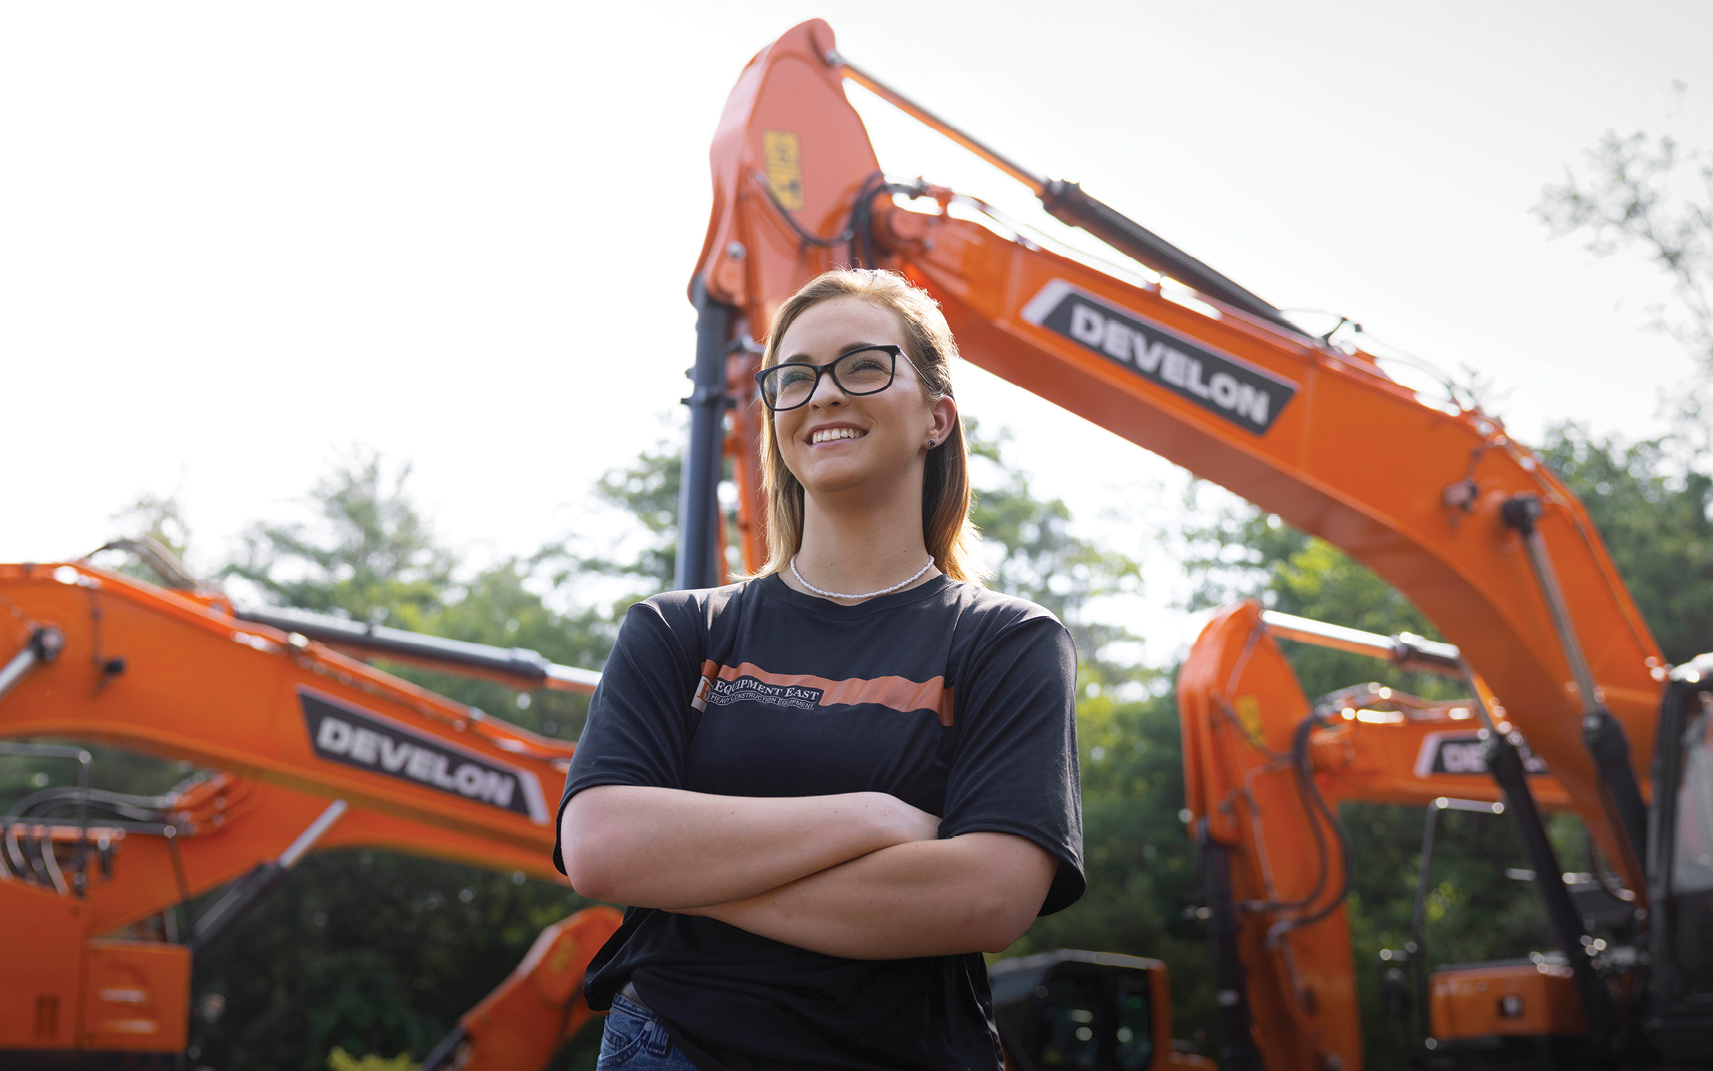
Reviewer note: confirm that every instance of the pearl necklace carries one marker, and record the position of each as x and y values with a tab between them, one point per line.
870	595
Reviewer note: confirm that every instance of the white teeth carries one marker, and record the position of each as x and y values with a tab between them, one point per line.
825	435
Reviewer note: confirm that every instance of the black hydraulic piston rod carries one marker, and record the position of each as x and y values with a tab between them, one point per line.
246	891
1237	1050
1505	763
43	646
1603	734
523	667
1068	203
699	502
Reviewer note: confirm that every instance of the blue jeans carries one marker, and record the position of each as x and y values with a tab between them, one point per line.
635	1041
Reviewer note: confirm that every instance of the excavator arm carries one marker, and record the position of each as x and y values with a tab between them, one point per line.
310	748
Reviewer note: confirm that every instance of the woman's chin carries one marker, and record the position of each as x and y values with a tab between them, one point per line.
835	479
829	485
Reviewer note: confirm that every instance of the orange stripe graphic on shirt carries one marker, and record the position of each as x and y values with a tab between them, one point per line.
899	693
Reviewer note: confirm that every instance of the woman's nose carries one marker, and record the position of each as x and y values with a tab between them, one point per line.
827	391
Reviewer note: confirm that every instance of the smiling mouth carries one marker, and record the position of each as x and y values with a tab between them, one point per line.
827	435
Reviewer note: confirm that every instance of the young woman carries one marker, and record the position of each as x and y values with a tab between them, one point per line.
828	790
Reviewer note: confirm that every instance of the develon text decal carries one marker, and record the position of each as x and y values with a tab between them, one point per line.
1234	389
1459	752
344	734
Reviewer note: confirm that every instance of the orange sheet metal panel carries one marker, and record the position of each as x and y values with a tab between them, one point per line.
136	996
40	970
1510	1000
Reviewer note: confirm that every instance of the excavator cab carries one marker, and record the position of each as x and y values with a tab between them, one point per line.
1091	1011
1680	867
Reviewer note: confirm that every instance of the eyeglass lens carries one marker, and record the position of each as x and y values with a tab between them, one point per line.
788	386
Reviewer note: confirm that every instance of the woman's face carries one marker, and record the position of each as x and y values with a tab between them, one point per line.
836	442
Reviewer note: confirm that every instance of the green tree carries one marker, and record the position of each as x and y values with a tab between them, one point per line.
371	557
156	517
1657	525
1037	555
648	491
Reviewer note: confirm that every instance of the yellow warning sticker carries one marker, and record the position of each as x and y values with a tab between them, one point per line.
1249	716
784	167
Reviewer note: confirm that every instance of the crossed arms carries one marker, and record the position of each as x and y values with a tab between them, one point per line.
861	875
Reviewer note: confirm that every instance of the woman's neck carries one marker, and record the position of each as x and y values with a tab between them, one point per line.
858	548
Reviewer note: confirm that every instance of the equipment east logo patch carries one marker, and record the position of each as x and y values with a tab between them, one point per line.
1234	389
726	692
352	737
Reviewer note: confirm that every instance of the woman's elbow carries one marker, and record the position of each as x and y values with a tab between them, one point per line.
1014	877
1002	923
590	853
588	869
1001	913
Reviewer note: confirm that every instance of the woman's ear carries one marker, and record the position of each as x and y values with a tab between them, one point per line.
945	414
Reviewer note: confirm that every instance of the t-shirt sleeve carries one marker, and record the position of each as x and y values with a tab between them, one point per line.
640	719
1015	765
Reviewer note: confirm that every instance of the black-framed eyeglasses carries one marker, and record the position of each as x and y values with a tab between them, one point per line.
864	370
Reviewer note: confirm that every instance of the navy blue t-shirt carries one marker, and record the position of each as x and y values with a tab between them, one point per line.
950	697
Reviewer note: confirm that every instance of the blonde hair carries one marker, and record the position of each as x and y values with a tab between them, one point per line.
946	529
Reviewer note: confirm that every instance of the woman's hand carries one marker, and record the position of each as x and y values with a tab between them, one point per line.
911	823
665	847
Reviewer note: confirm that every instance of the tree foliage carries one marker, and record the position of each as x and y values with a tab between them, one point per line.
1036	554
1656	519
648	491
1649	193
371	557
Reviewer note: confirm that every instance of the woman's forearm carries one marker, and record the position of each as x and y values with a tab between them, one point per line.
972	893
663	847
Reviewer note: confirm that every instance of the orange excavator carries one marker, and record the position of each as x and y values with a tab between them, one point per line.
305	747
1569	707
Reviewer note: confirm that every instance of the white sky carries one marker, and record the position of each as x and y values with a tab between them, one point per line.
236	240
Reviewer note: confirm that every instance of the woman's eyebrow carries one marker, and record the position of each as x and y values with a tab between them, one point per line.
843	350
